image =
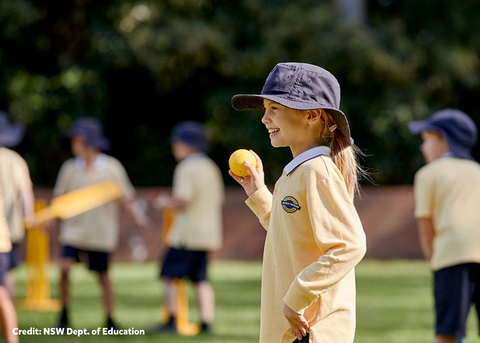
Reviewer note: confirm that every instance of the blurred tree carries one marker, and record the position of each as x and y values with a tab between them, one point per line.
142	66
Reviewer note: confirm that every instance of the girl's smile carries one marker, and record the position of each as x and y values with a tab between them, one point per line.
273	132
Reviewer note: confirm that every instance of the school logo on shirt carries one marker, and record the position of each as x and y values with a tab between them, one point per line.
290	204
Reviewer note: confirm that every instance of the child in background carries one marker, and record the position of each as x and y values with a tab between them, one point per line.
17	188
198	195
93	234
447	191
314	235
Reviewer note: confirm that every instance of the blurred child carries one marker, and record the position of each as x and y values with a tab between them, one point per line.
17	189
198	195
314	235
8	316
93	234
447	190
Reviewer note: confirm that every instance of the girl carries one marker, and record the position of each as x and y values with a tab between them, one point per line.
314	235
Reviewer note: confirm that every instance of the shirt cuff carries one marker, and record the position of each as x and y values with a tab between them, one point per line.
297	299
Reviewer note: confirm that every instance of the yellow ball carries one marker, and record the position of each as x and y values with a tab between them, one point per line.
238	158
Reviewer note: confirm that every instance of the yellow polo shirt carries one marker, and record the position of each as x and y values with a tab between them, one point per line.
97	229
5	242
447	191
198	181
14	177
314	240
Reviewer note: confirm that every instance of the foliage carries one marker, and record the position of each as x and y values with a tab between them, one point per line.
142	66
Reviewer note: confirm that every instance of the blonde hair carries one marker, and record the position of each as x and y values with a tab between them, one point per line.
344	154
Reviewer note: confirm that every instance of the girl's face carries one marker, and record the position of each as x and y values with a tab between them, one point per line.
295	129
433	146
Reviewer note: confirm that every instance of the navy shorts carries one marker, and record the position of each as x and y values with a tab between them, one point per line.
4	263
456	289
14	259
97	260
181	263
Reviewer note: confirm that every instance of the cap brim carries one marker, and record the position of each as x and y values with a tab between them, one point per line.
99	143
244	102
416	127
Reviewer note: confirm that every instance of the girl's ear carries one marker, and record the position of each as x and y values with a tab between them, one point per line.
313	116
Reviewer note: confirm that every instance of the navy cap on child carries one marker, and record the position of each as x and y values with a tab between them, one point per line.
10	134
191	133
298	86
91	130
455	126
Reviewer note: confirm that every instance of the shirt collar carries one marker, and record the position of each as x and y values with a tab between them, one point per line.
99	164
448	154
305	156
194	156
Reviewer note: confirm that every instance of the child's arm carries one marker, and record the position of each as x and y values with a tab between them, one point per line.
426	233
28	201
165	200
138	213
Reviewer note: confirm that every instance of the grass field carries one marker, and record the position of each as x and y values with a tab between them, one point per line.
394	304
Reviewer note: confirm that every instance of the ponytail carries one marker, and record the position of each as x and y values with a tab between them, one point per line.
344	154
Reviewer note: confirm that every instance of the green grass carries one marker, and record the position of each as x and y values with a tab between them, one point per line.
394	303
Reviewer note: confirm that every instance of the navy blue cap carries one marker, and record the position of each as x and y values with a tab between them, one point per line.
10	134
91	130
300	86
191	133
455	126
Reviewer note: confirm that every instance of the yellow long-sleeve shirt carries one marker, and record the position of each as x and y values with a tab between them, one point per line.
314	240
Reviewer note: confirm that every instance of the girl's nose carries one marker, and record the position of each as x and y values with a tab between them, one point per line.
265	118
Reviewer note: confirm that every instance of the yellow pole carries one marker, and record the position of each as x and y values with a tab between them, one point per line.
37	259
184	327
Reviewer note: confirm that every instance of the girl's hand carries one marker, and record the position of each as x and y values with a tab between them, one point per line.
298	324
251	183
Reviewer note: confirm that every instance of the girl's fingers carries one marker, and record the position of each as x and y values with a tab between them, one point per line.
237	178
259	161
250	168
297	332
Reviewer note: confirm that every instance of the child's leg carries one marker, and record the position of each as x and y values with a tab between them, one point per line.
8	316
65	267
445	339
108	298
206	301
10	283
66	264
170	295
98	262
67	260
